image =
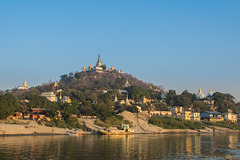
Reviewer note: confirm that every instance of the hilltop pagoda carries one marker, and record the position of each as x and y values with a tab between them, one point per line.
24	86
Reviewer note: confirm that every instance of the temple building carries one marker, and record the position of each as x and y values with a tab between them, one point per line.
51	96
99	67
127	84
24	86
200	94
55	84
210	93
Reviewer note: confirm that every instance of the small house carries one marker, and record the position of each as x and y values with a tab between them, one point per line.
212	116
35	112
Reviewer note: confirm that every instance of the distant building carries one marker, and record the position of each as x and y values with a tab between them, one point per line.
212	116
160	113
186	115
176	111
127	84
200	94
210	93
51	96
24	86
230	117
195	116
99	67
84	69
55	84
37	113
66	99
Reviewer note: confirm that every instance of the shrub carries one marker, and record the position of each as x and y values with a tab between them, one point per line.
174	123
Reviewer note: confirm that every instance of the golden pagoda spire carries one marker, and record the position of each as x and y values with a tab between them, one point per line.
99	62
200	94
25	83
112	68
84	68
60	96
55	84
68	100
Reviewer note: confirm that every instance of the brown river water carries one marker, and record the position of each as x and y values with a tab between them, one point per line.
124	147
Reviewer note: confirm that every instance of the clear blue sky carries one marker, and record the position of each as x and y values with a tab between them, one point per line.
180	45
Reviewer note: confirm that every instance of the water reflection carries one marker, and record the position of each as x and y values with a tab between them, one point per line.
172	146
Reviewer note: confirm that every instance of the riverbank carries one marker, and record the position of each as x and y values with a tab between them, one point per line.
139	122
32	128
141	126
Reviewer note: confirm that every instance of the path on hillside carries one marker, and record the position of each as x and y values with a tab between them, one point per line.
89	122
140	122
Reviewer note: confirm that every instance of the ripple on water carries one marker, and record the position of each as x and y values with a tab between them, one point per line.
147	147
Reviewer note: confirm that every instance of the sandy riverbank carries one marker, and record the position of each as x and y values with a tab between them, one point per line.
32	128
141	126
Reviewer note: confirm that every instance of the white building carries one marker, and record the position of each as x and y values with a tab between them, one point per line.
200	94
51	96
24	86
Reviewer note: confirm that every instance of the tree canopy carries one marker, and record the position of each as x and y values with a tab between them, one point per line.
8	105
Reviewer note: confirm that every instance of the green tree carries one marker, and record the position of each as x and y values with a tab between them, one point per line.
64	78
103	110
77	95
87	109
137	93
78	75
8	105
170	97
199	106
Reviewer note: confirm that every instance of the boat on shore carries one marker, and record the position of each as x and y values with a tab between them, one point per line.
124	130
76	132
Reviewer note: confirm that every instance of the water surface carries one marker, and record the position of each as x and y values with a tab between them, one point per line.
149	147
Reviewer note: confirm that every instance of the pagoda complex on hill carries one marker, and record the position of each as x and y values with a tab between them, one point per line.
99	67
24	86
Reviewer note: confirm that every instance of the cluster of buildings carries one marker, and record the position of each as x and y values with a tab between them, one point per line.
211	116
176	111
52	96
99	67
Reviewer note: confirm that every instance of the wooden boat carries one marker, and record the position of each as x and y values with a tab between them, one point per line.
74	134
115	132
124	130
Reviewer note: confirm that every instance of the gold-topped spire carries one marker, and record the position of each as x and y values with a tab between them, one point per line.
60	96
99	62
200	93
84	68
25	83
55	84
90	66
112	68
210	93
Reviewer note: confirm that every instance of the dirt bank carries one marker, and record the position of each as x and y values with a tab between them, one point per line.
141	126
31	128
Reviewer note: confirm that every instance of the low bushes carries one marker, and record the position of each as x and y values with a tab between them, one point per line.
224	124
113	121
174	123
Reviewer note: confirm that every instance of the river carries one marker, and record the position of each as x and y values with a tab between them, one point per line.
138	146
